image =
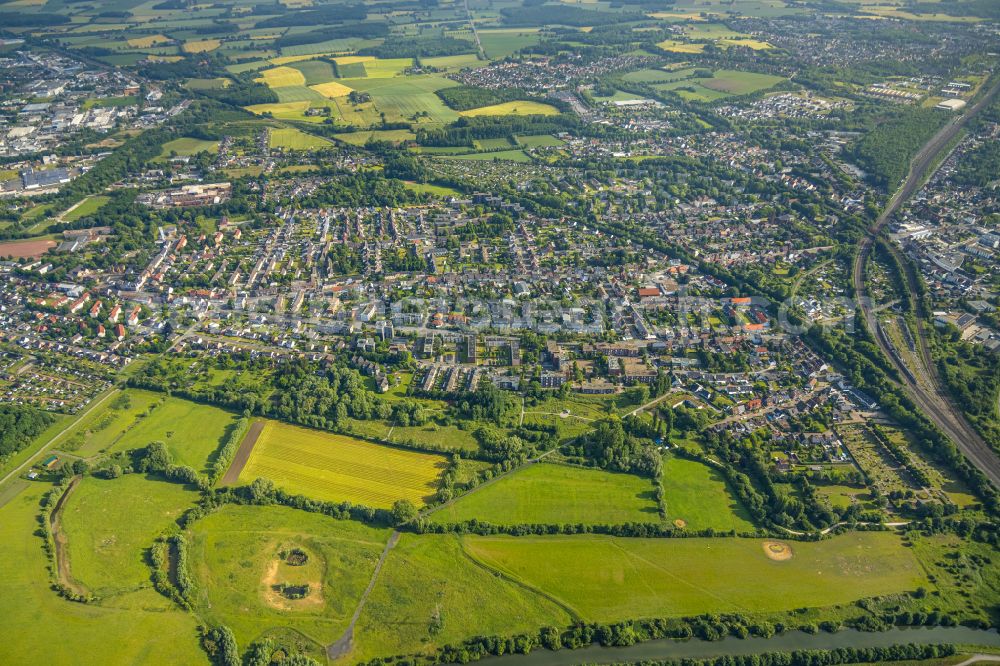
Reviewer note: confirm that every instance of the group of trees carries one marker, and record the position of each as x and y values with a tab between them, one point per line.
19	424
612	445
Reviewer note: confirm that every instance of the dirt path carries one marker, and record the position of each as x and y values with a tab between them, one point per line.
63	573
345	643
232	474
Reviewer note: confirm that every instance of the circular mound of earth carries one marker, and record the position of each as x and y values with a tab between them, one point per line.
681	523
778	550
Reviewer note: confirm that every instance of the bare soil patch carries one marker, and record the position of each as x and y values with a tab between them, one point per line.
681	523
777	550
232	474
30	248
272	581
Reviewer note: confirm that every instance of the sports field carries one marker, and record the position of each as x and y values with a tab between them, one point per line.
518	108
608	579
109	524
558	494
342	469
234	555
698	496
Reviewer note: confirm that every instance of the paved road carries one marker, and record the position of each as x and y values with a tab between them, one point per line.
935	404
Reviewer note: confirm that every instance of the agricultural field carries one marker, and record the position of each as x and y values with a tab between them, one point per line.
698	498
607	579
337	468
290	138
361	138
137	625
109	524
558	494
518	108
235	556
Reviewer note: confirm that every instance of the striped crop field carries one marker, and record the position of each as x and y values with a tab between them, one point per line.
338	468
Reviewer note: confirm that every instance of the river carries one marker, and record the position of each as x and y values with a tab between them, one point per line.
786	642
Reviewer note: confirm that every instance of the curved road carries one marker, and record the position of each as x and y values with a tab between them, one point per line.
935	405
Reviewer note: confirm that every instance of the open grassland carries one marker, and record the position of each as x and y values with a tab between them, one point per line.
698	495
430	594
88	206
558	494
518	108
187	146
40	627
608	579
736	82
332	467
538	141
234	550
290	138
428	188
280	77
191	432
109	525
455	62
509	155
447	436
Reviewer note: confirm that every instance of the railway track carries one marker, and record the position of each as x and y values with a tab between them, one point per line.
935	403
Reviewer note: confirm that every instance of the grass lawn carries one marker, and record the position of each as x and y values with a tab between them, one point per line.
518	108
609	579
698	495
546	493
429	594
332	467
140	628
233	551
88	206
290	138
109	524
